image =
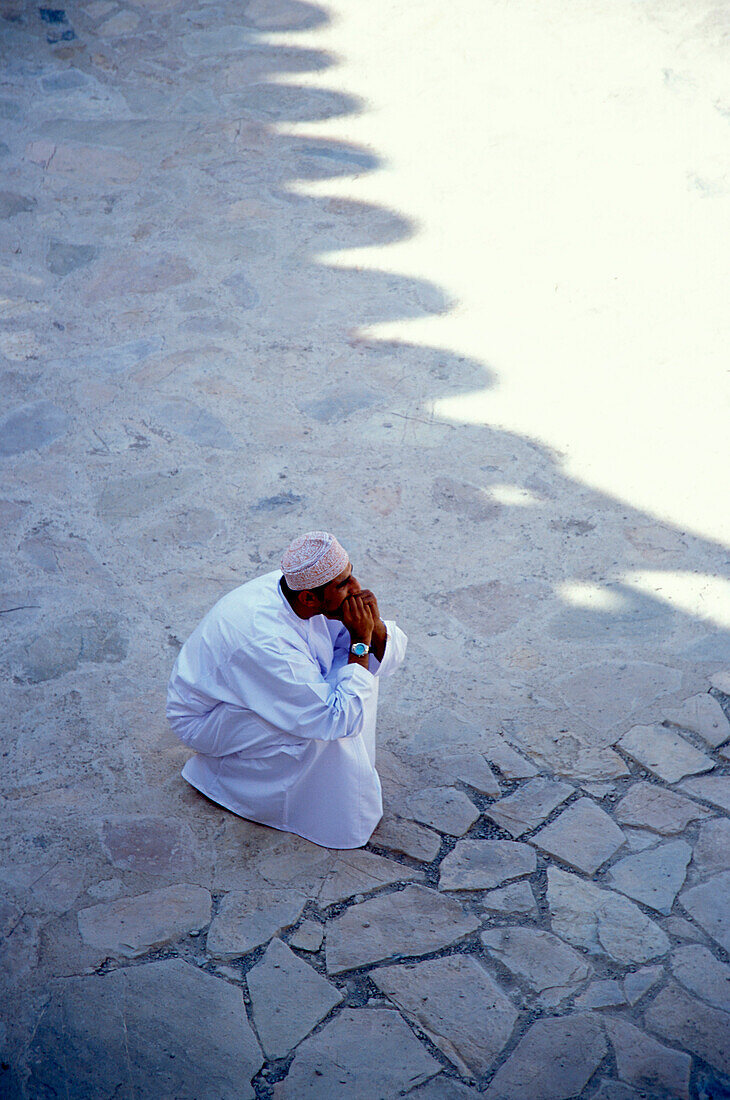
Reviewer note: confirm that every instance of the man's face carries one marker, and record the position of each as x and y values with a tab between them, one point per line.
337	591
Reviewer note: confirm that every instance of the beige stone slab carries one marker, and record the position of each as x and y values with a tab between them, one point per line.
602	921
469	768
288	999
308	936
413	921
654	877
721	680
664	752
484	864
712	850
443	808
400	835
130	927
639	982
702	974
362	1053
572	755
583	836
510	763
707	904
459	1006
544	962
517	897
691	1025
649	806
358	872
529	805
712	788
703	715
643	1062
248	918
553	1061
602	994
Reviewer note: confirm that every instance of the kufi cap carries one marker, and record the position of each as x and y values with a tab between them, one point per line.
313	559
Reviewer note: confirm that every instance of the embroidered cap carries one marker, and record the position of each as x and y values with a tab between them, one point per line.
313	559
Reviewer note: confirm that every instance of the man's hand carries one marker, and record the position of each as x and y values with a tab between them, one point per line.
380	634
357	615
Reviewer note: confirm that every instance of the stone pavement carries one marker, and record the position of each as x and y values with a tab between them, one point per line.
543	912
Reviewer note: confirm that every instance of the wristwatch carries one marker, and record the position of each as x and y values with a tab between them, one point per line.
359	649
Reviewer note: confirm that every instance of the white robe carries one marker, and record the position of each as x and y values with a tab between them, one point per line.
282	726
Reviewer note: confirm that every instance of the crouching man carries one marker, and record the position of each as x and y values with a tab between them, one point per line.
276	691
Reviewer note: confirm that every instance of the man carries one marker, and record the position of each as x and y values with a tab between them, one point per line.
277	690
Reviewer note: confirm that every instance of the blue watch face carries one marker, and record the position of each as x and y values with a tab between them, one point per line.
359	649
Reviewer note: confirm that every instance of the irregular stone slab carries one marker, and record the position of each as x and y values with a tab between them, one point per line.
361	1054
308	936
645	1063
515	898
413	840
129	927
647	806
469	768
413	921
601	920
712	850
604	694
664	753
31	426
62	258
130	1032
553	1061
152	845
529	806
639	982
196	423
721	681
510	762
703	715
684	930
570	755
444	1088
713	788
702	974
97	637
288	999
639	839
445	809
11	203
694	1026
43	889
709	905
544	962
130	497
617	1090
357	872
483	864
461	1009
584	836
248	918
603	994
654	877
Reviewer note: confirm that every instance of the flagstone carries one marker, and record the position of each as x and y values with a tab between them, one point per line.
708	905
288	999
648	806
654	877
129	1032
457	1004
721	681
602	921
248	918
553	1061
584	836
469	768
443	808
529	805
703	715
512	764
571	755
29	427
129	927
444	1088
702	974
639	982
484	864
361	1054
691	1025
684	930
603	994
712	849
619	1090
413	921
713	788
399	835
647	1064
308	936
517	897
358	872
664	753
544	962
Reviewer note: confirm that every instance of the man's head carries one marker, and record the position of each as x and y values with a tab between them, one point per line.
318	575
